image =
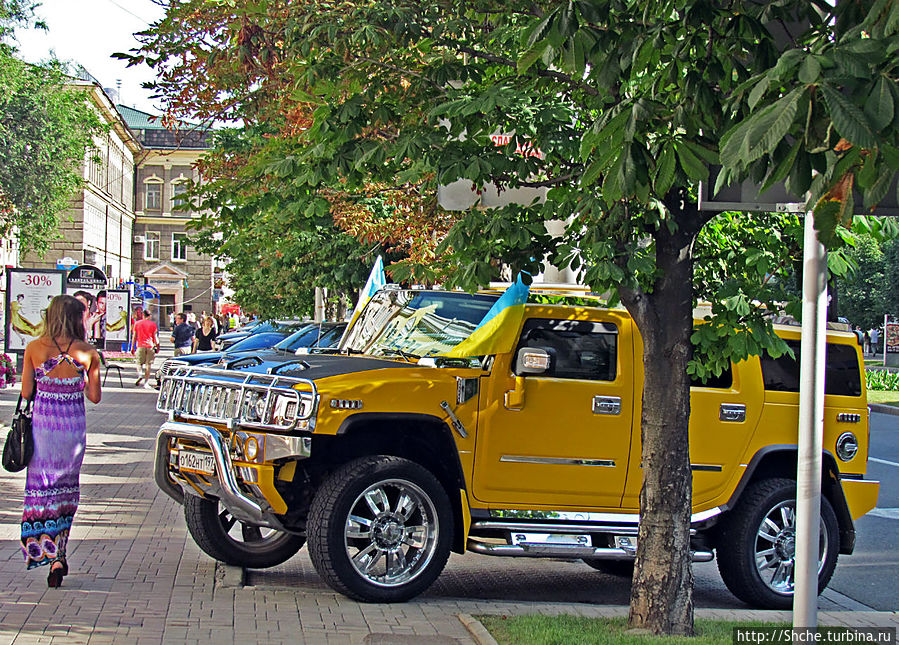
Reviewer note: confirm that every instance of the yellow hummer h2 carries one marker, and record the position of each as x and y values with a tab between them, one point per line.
388	454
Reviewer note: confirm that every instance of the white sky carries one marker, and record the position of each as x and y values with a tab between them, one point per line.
89	32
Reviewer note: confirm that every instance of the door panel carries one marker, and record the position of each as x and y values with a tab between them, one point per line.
568	441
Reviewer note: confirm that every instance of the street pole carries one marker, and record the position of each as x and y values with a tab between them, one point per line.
811	428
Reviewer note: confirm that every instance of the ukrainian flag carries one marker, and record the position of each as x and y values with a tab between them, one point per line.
376	279
497	332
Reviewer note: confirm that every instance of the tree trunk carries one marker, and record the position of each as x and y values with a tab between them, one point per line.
662	591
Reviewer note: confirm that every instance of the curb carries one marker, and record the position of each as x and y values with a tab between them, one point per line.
228	577
884	409
478	632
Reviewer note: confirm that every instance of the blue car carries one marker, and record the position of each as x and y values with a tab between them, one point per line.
273	347
228	339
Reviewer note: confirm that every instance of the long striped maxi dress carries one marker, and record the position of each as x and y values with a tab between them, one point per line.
51	485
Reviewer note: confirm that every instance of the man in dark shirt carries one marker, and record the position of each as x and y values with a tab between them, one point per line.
182	336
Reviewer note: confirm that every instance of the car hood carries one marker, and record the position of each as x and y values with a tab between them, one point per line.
319	366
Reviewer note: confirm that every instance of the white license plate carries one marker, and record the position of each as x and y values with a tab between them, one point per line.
551	538
198	462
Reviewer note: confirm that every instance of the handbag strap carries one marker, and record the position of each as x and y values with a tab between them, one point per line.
28	401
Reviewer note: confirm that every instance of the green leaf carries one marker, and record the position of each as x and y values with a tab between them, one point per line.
810	69
664	170
878	190
772	127
531	56
879	106
783	169
692	165
849	121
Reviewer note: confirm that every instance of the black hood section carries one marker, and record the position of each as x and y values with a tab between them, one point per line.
330	365
323	366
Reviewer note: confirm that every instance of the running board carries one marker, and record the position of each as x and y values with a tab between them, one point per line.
543	550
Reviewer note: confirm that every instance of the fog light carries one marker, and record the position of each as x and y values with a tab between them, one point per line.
251	448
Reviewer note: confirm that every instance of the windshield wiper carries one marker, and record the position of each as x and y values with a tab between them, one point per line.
411	358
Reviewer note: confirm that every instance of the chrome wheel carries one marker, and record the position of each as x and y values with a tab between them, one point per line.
775	550
391	532
380	529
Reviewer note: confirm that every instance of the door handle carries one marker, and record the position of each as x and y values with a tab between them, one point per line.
607	405
733	412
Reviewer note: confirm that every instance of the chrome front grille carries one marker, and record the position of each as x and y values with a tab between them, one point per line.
170	365
263	401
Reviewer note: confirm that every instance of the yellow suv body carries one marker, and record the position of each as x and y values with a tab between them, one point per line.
387	455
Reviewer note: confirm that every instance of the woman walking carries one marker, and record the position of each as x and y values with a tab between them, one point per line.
203	341
54	370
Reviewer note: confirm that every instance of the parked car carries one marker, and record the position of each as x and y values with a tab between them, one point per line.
315	335
389	454
228	339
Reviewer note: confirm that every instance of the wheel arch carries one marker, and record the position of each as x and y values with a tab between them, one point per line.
781	461
422	438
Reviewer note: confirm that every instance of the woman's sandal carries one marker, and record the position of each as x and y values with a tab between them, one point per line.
54	578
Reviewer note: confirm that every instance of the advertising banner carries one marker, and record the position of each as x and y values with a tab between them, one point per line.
892	338
88	284
28	292
118	317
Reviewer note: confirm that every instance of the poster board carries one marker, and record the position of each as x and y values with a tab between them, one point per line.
117	317
892	338
88	284
28	292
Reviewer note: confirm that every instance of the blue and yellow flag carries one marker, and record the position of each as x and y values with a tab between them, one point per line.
376	279
497	332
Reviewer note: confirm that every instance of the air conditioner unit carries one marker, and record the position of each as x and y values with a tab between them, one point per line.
140	239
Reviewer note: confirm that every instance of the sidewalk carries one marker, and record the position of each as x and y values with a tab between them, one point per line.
137	576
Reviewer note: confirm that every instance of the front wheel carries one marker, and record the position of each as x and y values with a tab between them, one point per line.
380	529
225	538
756	552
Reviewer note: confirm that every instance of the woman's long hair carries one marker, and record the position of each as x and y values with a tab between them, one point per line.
64	319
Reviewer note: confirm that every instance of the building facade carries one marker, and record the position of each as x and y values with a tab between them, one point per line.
162	255
97	228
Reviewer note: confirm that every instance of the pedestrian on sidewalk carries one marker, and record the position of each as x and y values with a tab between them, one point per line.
146	337
182	335
54	371
205	339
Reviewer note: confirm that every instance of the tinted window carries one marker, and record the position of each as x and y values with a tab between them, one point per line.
579	349
841	373
723	381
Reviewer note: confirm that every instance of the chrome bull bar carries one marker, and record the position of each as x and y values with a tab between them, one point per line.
239	504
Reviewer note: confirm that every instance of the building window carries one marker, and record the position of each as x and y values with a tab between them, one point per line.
179	246
178	189
153	196
151	246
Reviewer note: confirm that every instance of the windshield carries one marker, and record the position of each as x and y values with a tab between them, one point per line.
297	338
416	323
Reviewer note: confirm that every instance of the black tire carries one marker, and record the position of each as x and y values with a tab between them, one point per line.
395	504
622	568
220	535
746	553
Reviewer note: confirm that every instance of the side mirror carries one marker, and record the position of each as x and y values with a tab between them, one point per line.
532	360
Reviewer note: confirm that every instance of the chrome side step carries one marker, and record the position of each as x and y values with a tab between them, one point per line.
544	550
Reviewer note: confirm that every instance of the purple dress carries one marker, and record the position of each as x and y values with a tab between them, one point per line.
51	487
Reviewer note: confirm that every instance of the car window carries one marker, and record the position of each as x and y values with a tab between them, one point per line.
579	349
290	343
841	372
331	337
256	341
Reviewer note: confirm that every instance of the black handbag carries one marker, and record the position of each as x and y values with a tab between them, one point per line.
19	444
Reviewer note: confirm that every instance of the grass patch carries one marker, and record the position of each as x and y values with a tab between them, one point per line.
885	397
564	630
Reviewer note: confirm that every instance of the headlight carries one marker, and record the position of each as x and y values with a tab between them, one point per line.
251	448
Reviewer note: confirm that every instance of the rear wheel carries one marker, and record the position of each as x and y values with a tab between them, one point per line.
225	538
756	552
380	529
